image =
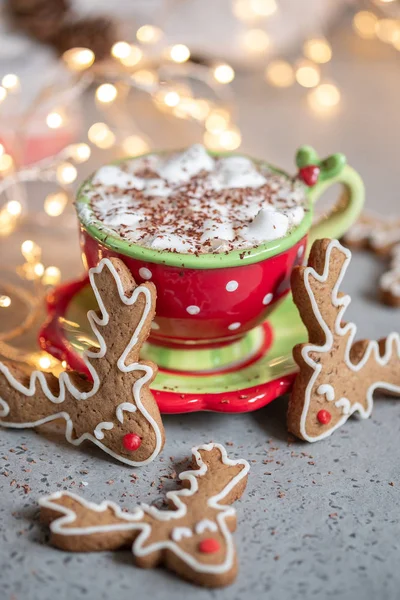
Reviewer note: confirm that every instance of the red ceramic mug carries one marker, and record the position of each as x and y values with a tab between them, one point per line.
211	301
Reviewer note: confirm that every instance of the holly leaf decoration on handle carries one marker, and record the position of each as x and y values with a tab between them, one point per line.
192	538
312	169
337	376
319	174
117	412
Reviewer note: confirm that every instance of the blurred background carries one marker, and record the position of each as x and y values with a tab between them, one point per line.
82	83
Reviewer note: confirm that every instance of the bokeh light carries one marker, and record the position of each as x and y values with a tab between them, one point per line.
78	59
318	50
280	73
224	73
307	74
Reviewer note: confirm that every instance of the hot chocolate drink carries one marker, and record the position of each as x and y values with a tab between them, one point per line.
190	202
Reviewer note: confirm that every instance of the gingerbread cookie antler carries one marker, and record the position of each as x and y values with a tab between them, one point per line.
193	538
337	376
117	412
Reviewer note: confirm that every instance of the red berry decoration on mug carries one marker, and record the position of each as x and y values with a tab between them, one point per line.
116	411
192	538
337	376
313	170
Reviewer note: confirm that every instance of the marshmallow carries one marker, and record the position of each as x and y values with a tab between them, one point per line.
182	167
222	230
170	241
112	175
269	224
237	172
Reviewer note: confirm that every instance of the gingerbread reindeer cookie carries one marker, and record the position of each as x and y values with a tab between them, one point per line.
389	283
192	538
116	411
337	376
382	236
375	232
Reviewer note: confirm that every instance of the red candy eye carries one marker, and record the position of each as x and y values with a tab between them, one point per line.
324	416
209	546
131	441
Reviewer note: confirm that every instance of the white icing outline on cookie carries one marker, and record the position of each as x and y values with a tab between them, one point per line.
65	382
205	525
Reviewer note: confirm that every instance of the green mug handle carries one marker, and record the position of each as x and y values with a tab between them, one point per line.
350	203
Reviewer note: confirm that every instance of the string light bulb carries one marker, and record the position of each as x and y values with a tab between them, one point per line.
230	139
51	276
179	53
66	173
79	152
54	120
5	301
324	97
14	208
11	82
121	50
78	59
6	164
134	57
30	251
8	222
307	74
38	269
211	141
223	73
55	204
364	23
241	10
256	41
44	362
263	8
280	73
200	109
217	121
318	50
101	135
128	54
171	98
145	77
149	34
106	93
134	145
387	30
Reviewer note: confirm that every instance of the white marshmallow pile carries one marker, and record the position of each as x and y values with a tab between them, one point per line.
131	202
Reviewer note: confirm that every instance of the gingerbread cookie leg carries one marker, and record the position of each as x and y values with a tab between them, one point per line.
337	376
390	281
193	538
117	412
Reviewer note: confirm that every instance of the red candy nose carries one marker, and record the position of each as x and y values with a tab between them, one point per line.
209	546
131	441
324	417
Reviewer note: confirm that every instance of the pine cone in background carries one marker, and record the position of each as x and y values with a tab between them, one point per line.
99	34
42	19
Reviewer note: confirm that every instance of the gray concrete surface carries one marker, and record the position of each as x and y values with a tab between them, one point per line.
317	521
